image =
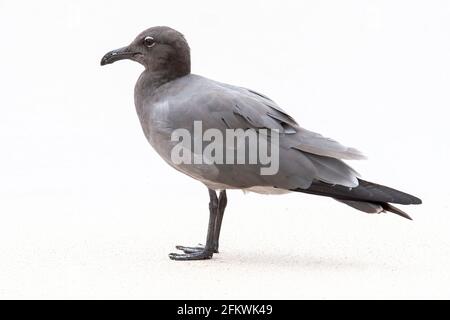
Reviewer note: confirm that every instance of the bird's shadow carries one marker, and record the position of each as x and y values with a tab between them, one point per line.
290	261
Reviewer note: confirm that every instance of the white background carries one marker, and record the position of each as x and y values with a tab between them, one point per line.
89	210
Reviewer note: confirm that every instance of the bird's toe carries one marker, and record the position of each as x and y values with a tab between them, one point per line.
199	255
198	248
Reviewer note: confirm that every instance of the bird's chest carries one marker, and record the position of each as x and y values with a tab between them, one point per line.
159	122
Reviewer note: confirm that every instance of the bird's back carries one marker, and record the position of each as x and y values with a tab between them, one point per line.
179	103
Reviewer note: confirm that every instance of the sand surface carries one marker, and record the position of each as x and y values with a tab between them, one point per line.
118	249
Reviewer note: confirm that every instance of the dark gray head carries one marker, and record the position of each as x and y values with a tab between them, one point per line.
162	50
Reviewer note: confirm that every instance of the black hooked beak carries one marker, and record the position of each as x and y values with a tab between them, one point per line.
116	55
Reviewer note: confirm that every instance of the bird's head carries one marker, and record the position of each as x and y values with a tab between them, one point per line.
158	49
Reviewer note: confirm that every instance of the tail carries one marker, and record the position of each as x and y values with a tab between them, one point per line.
367	197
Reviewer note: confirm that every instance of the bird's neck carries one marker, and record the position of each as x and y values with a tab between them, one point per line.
162	70
147	84
152	79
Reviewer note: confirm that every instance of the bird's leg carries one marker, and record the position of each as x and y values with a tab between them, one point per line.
223	201
217	227
207	251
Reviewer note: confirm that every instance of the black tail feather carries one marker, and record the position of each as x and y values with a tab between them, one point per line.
366	197
365	191
391	208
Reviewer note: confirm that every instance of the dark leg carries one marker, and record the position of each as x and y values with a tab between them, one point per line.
208	251
223	201
217	227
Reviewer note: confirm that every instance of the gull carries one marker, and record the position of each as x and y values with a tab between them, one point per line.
168	97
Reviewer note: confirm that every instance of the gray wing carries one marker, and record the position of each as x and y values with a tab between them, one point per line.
303	140
304	156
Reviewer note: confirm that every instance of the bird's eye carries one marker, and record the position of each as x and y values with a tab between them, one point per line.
149	42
